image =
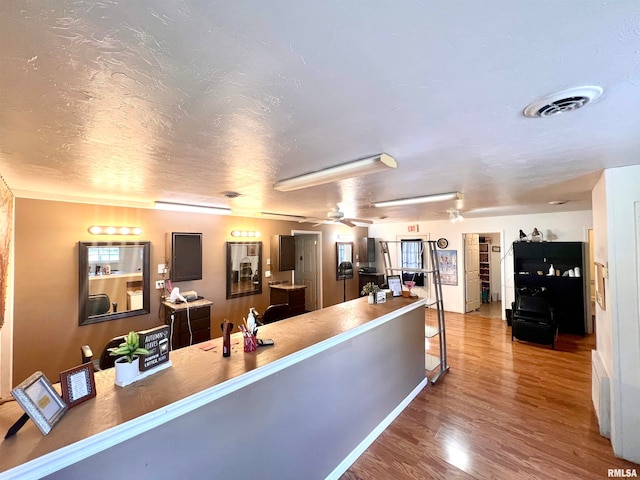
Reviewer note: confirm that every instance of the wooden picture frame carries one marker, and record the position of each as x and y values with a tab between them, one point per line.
78	384
40	401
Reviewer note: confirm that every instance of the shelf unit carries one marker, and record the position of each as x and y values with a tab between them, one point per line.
433	363
567	294
485	270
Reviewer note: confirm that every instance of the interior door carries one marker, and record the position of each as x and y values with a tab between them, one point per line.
472	272
306	272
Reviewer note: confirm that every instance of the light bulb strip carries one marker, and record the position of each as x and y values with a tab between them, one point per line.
113	230
245	233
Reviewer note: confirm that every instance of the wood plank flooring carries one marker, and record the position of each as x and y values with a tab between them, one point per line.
504	411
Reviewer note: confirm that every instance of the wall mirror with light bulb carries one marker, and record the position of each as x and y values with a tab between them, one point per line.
113	280
244	262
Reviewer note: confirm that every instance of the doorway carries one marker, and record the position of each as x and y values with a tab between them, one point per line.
487	262
307	267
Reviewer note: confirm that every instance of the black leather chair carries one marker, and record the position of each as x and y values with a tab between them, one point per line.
273	313
98	304
533	320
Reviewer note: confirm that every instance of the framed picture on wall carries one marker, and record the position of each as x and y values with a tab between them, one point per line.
448	265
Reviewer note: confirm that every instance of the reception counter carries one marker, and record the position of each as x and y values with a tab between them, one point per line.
306	407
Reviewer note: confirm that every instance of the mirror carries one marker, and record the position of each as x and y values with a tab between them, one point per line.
113	280
344	254
244	264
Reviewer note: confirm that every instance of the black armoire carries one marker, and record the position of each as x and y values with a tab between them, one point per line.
567	294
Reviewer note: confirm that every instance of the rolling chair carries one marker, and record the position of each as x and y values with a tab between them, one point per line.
276	312
98	304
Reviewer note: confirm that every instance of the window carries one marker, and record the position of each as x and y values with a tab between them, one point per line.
104	254
412	252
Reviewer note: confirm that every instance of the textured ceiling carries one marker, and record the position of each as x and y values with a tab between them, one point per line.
131	102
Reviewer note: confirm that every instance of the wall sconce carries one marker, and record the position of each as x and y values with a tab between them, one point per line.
455	216
245	233
110	230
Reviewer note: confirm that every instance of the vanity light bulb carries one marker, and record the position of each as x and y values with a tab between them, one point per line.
137	231
95	230
125	230
111	230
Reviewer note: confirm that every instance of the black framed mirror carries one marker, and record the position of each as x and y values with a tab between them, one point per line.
344	255
244	266
114	280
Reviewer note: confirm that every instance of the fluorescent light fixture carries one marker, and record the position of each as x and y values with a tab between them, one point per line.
438	197
183	207
356	168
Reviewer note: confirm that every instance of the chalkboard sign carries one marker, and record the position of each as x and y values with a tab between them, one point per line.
156	340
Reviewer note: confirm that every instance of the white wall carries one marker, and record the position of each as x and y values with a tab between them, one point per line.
562	227
621	251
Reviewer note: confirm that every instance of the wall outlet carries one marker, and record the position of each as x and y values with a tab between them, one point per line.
159	284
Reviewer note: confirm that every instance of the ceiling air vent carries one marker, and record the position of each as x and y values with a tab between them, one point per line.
561	102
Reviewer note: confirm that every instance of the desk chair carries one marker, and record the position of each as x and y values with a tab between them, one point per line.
98	304
276	312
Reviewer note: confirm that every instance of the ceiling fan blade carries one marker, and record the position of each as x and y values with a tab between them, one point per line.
347	221
361	220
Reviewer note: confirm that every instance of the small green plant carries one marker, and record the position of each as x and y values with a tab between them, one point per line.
129	348
370	288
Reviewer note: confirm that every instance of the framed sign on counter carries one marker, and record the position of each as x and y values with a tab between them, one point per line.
78	384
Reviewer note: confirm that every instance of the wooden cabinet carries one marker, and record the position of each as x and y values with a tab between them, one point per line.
293	295
567	294
367	249
364	278
197	316
283	253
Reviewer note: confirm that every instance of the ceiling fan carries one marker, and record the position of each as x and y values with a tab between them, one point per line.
336	216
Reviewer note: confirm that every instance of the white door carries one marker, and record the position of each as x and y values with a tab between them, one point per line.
306	272
472	272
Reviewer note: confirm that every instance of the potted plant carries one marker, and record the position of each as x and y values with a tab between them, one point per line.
128	363
370	289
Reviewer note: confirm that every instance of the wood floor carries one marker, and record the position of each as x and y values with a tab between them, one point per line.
504	411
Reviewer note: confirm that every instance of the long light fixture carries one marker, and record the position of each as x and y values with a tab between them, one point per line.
183	207
112	230
438	197
244	233
356	168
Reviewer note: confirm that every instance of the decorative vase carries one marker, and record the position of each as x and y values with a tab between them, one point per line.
126	372
371	299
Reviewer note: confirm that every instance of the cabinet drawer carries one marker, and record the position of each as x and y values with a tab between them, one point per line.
196	324
198	336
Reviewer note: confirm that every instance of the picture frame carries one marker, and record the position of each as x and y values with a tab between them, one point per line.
495	248
78	384
395	284
448	266
252	250
40	401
